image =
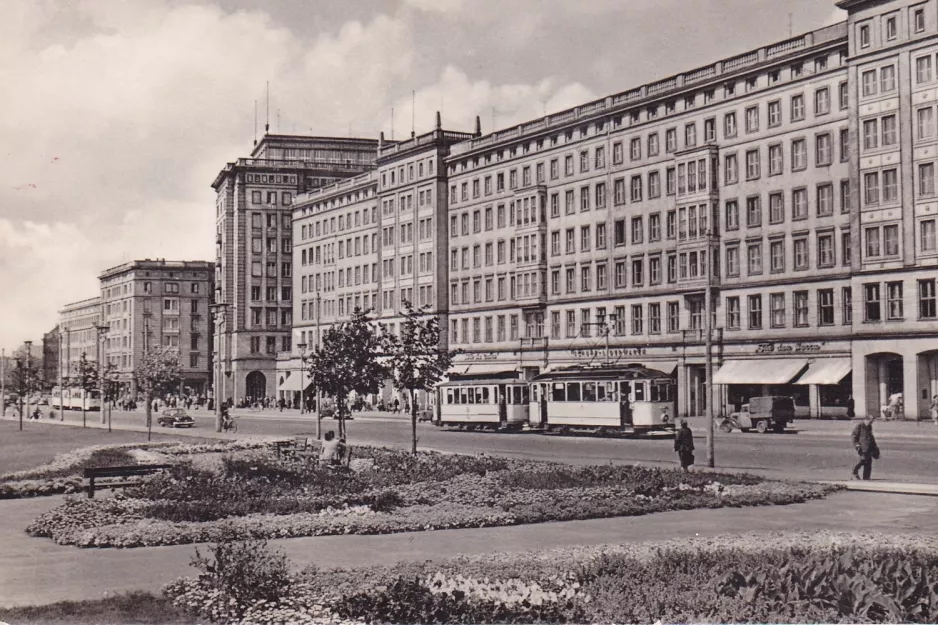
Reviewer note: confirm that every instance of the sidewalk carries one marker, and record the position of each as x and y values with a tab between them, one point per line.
37	571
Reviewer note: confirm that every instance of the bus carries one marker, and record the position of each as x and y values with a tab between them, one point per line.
484	402
73	397
628	399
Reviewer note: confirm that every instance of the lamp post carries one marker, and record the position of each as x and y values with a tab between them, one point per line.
3	381
708	329
302	347
20	387
29	352
218	311
102	332
61	385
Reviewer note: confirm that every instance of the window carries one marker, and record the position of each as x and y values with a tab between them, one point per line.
638	319
825	307
871	298
871	188
801	309
890	185
918	20
847	303
894	300
775	114
890	28
891	240
754	255
753	212
777	256
620	275
776	208
823	148
674	317
753	164
732	261
872	237
731	170
845	247
653	144
923	69
732	215
799	154
797	107
636	188
822	101
777	310
776	160
690	135
654	227
654	184
752	119
926	179
926	299
635	149
638	272
732	313
670	180
890	134
887	78
800	249
755	312
825	250
864	35
670	140
925	123
600	236
844	95
927	241
617	157
825	200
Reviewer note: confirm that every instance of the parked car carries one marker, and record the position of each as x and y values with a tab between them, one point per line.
762	413
175	418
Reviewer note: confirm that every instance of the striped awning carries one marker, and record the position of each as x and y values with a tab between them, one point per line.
826	371
768	371
295	381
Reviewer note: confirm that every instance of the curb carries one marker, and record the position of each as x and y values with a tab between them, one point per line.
892	488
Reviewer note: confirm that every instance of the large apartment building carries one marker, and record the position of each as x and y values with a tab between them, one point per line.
77	323
150	303
254	239
373	242
794	182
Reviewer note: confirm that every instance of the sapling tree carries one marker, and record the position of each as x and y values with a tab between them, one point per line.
158	372
419	358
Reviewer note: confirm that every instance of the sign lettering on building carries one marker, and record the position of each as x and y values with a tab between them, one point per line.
614	354
482	356
788	348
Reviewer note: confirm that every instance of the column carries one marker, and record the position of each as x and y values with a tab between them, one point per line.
814	401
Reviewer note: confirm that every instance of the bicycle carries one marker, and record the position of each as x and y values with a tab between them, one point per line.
229	425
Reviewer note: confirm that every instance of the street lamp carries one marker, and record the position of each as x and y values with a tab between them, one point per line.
29	352
102	331
218	311
302	347
20	386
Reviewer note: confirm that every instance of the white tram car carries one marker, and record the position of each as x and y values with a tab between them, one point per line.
497	402
73	398
610	398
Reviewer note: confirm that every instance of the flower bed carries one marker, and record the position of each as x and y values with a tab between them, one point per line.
783	577
255	494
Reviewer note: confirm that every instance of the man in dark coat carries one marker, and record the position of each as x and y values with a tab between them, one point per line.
865	444
684	445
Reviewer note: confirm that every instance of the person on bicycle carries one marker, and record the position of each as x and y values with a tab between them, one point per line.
225	418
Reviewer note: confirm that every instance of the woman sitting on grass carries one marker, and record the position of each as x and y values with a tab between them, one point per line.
333	450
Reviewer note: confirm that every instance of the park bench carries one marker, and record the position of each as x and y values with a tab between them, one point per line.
299	447
128	475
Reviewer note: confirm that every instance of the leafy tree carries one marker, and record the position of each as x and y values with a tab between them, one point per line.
158	372
419	359
346	360
88	380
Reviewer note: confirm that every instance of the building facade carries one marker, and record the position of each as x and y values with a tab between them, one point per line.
794	183
374	242
254	257
77	322
152	303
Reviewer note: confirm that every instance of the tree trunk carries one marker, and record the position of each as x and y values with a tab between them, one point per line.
340	412
413	422
83	417
149	413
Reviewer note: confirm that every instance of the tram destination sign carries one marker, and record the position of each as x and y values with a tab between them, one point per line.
788	348
616	353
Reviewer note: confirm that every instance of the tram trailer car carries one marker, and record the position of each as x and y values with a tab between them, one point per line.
73	399
492	402
607	399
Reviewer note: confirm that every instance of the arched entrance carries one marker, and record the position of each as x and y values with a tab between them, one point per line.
256	385
927	371
884	378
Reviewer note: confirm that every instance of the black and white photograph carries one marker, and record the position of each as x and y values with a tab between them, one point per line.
379	312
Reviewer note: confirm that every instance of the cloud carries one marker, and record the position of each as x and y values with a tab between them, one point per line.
836	16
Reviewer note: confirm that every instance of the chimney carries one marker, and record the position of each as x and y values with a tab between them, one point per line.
478	131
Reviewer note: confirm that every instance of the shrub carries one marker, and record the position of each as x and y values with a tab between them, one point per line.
235	575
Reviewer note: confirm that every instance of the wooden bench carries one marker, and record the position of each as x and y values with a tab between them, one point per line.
131	475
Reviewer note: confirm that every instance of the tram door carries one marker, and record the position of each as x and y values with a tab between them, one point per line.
502	404
543	402
625	405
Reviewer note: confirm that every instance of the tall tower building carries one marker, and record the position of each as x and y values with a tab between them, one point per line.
254	243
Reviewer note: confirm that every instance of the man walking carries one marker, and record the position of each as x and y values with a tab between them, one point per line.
684	445
865	444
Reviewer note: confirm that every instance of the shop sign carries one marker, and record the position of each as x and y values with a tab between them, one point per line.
788	348
482	356
614	354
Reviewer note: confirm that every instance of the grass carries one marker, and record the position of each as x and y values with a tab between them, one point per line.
123	609
39	443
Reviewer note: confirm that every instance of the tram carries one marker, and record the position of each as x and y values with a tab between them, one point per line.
487	401
73	397
629	399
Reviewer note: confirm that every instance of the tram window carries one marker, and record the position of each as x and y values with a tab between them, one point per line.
601	392
515	394
534	391
625	391
559	392
485	394
573	391
589	391
661	391
449	396
639	391
525	398
468	396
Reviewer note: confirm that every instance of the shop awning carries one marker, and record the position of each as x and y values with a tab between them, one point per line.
768	371
826	371
667	366
489	367
295	382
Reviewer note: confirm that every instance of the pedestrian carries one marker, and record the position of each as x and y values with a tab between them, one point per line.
332	450
933	409
865	444
280	403
851	408
397	405
684	445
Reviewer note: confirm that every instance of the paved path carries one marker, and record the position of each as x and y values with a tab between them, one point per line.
37	571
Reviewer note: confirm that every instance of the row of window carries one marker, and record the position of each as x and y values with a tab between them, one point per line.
339	223
257	221
285	197
169	287
890	25
257	269
406	202
414	171
270	344
285	293
259	319
257	245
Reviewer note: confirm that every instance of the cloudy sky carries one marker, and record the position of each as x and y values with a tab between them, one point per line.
117	114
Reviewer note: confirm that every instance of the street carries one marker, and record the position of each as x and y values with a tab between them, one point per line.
819	450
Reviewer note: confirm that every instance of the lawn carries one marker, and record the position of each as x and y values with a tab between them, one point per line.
40	442
253	493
